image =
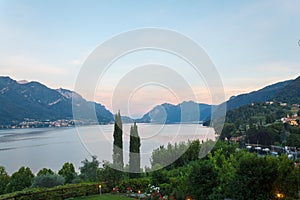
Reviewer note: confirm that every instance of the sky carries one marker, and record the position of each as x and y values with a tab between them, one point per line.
251	43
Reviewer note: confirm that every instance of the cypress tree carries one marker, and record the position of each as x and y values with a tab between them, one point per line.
118	162
134	152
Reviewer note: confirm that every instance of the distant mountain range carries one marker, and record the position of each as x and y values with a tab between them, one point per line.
290	93
286	91
169	113
32	100
268	93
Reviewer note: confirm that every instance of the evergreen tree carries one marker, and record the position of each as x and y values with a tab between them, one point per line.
68	172
4	179
134	152
118	162
45	171
20	180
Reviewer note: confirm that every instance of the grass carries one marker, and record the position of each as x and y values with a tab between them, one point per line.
103	197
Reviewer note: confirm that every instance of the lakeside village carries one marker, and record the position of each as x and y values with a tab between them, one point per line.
274	150
32	123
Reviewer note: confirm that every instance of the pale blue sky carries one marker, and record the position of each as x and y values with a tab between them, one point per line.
252	43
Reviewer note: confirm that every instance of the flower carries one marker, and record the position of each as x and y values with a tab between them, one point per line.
129	189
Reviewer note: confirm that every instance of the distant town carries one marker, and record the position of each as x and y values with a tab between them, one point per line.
32	123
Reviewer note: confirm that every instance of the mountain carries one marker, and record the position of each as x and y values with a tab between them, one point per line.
170	114
272	108
262	95
32	100
24	100
286	91
290	93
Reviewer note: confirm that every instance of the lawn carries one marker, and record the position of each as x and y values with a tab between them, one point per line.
103	197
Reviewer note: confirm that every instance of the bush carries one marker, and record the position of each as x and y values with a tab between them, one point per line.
59	192
135	184
88	172
48	181
20	180
166	189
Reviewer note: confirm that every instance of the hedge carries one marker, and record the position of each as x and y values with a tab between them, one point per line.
59	192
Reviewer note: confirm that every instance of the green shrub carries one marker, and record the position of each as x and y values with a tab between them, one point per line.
20	180
59	192
48	181
166	189
135	184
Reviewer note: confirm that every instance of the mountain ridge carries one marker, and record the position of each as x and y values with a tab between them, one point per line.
33	100
36	101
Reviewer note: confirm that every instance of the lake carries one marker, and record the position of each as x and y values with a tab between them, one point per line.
52	147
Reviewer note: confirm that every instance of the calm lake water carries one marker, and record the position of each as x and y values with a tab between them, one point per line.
52	147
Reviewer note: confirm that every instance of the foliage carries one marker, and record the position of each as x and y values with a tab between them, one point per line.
68	172
59	192
289	94
227	172
288	178
4	180
202	180
110	175
255	177
104	197
20	180
134	155
230	173
225	169
47	181
293	140
257	114
88	172
176	155
159	177
228	131
45	171
118	143
135	184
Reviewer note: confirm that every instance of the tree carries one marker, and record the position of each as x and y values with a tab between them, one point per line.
68	172
134	152
228	131
4	180
202	180
288	178
159	177
270	119
45	171
255	177
118	162
88	171
225	170
20	180
110	175
47	181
